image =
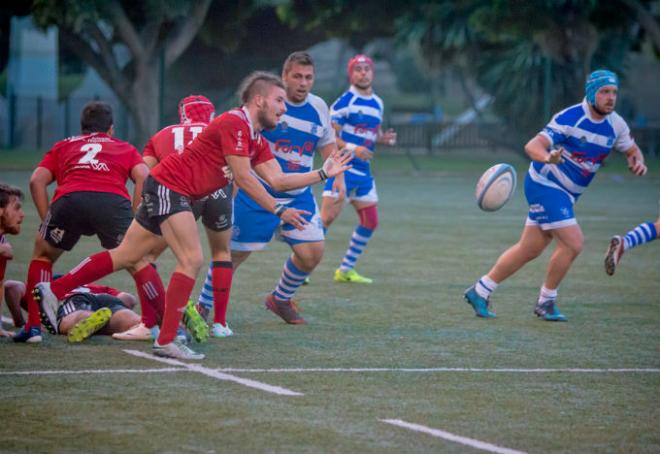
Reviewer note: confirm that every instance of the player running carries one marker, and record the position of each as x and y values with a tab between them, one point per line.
11	218
91	198
357	117
566	155
303	129
231	144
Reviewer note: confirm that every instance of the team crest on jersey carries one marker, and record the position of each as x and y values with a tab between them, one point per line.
564	212
610	141
284	126
314	129
583	140
56	235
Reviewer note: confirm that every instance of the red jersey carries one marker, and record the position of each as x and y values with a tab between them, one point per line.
92	162
94	290
172	139
197	172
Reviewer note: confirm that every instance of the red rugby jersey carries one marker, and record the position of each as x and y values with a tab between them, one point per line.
197	172
172	139
93	162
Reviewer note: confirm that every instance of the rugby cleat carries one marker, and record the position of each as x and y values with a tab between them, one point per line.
549	312
217	330
176	349
480	305
48	304
30	336
88	326
286	310
613	254
138	332
195	323
351	276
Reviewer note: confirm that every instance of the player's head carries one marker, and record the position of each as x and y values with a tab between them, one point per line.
361	71
96	116
265	92
601	90
11	209
196	109
298	76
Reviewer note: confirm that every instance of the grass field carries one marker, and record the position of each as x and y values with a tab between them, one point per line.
406	348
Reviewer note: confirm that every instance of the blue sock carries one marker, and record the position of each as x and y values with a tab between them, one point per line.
206	295
291	279
643	233
358	244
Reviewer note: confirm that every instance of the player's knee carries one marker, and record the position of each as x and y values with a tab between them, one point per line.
369	217
192	263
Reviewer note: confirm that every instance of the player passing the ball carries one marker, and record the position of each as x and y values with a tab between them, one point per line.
565	155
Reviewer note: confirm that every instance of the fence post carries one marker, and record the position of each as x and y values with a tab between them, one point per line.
39	119
12	118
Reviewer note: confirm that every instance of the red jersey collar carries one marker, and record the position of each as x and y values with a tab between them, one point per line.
253	134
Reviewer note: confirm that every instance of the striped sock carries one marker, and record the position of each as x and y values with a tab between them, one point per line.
485	286
641	234
355	249
547	294
206	295
291	279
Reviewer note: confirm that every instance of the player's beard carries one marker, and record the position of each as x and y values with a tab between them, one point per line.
264	120
600	111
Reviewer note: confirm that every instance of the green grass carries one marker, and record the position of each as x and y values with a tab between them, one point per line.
433	242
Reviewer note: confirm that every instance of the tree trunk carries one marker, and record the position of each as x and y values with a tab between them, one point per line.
143	104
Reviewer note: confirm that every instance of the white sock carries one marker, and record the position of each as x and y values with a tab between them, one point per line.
485	286
547	294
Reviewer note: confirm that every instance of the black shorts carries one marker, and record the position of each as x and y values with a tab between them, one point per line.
88	302
103	214
216	209
158	203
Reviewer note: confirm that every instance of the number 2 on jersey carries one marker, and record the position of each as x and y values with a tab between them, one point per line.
90	150
178	136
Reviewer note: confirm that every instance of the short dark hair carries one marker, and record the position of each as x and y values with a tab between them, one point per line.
96	116
7	192
299	57
257	83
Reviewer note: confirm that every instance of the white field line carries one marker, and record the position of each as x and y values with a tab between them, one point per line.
219	375
93	371
484	446
442	370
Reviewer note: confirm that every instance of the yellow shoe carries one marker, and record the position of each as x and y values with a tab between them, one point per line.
351	276
85	328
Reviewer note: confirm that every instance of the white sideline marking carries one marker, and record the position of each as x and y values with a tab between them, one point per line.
93	371
443	369
219	375
451	437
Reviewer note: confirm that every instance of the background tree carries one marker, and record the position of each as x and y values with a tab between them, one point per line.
154	33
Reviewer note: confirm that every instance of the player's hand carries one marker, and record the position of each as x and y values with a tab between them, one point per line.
363	153
295	217
6	251
554	157
389	137
637	166
337	163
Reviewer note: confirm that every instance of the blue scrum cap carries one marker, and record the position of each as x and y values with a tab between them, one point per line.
596	81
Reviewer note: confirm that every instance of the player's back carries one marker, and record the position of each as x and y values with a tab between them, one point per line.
172	139
93	162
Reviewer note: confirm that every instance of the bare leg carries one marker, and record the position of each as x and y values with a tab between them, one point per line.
570	242
532	243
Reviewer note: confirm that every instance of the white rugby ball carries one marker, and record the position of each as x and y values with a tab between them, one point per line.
495	187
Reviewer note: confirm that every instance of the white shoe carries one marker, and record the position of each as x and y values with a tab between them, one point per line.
137	333
48	305
217	330
175	349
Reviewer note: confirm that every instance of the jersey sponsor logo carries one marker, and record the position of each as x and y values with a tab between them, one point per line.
56	235
285	146
536	208
239	140
100	166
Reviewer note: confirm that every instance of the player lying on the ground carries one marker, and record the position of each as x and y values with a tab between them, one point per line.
582	137
643	233
11	218
232	142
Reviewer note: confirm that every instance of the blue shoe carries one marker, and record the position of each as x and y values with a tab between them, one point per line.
31	336
549	312
479	304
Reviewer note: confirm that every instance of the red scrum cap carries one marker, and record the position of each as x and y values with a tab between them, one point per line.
196	109
359	58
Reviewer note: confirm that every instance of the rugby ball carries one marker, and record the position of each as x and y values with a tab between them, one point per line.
495	187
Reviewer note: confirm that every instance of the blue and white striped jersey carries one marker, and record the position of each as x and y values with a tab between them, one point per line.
360	118
301	130
587	143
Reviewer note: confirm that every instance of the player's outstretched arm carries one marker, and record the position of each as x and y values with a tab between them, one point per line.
537	150
636	161
244	179
39	181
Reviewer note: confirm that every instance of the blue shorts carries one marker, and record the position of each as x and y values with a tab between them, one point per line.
254	227
360	187
549	208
